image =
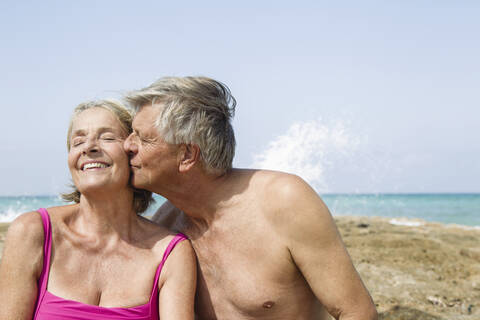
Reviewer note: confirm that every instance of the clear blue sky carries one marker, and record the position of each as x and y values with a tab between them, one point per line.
368	96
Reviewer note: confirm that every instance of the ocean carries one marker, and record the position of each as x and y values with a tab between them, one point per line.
11	207
462	209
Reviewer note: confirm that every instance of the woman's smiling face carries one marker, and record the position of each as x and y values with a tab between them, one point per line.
96	159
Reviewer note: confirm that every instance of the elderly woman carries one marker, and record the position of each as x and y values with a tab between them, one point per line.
96	259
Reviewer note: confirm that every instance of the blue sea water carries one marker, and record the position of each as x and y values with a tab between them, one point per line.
11	207
463	209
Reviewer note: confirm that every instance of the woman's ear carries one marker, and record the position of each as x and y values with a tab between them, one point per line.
189	154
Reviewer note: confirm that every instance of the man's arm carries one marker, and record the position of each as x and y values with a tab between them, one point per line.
317	249
168	216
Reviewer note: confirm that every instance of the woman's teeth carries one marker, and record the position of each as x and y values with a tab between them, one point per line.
94	165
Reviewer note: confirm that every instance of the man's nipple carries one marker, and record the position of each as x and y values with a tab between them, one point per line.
268	304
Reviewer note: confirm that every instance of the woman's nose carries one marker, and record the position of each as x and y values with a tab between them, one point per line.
90	146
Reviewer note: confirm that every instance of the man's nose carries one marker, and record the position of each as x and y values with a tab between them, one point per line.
129	145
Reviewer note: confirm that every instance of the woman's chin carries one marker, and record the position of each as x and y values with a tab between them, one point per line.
96	189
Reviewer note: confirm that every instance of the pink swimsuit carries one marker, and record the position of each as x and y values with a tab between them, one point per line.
52	307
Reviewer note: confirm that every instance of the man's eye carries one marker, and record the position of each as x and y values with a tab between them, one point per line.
140	138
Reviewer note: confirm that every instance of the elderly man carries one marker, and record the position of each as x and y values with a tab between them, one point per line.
266	244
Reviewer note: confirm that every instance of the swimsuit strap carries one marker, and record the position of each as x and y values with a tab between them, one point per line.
47	249
179	237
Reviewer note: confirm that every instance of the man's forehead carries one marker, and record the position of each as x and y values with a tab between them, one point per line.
156	104
147	113
145	118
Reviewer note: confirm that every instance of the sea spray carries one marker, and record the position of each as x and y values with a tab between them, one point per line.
310	149
11	207
322	151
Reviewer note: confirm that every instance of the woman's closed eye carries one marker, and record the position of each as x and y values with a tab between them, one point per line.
77	141
109	137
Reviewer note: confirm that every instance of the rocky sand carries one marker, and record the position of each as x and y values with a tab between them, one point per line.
425	271
414	270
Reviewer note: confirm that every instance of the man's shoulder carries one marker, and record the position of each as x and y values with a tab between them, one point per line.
288	201
168	216
284	187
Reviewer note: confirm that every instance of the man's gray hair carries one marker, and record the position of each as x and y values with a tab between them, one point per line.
194	110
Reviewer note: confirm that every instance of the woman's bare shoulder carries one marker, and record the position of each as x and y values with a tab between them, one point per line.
26	228
61	212
24	243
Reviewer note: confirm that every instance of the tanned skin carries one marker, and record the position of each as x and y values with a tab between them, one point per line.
267	246
103	253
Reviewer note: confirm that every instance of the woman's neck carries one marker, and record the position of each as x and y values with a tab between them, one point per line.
106	214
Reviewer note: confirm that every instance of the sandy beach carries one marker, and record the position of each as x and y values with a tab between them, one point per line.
430	271
427	271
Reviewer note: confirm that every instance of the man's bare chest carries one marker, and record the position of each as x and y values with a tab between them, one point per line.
245	277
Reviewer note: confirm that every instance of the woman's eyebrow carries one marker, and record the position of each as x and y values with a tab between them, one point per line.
106	129
81	132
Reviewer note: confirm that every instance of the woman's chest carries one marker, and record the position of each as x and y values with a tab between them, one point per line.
113	280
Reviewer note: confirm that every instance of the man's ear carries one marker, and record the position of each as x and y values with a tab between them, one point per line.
189	154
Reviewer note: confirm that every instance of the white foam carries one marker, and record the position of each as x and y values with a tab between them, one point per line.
308	149
10	214
406	222
454	225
